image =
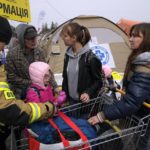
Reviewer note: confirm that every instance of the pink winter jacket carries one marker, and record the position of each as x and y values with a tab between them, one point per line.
45	94
37	70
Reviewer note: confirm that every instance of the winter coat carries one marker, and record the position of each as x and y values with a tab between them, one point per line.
38	92
89	74
17	64
43	96
16	112
137	91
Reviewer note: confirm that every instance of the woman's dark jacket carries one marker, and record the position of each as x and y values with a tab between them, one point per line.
137	91
90	75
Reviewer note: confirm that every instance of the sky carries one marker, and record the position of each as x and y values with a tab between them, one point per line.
59	11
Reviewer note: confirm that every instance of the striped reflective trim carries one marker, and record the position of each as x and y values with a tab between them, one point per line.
36	112
9	95
4	83
4	86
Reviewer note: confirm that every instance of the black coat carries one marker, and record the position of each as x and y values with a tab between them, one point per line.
90	75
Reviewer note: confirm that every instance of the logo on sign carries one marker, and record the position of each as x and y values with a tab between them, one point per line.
101	53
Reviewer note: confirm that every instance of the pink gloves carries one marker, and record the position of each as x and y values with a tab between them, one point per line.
61	98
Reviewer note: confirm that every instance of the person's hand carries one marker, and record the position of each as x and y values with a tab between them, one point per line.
112	88
100	117
48	109
57	90
93	120
85	98
61	98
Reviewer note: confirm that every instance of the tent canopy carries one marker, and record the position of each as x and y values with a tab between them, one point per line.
102	30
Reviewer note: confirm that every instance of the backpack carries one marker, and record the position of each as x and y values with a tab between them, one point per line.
89	55
24	91
37	91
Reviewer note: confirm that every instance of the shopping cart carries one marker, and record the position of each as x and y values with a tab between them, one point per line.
119	134
122	135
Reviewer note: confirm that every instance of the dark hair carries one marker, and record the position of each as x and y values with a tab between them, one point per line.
81	32
5	30
144	29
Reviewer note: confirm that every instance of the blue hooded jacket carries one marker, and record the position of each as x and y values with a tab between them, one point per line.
137	91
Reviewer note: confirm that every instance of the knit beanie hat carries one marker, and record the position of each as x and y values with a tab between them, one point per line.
5	30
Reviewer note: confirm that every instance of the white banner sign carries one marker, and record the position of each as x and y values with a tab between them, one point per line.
103	52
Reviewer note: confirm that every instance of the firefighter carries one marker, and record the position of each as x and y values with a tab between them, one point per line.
12	111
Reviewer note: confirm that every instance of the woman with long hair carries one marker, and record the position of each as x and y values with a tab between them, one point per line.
136	83
82	72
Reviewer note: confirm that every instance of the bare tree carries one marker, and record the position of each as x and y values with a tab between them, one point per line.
45	27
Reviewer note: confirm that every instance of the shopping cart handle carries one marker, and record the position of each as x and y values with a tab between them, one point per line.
117	129
120	91
146	105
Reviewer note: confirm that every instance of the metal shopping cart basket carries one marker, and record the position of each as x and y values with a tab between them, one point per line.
118	135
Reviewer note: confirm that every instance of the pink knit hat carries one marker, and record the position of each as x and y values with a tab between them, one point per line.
37	70
107	70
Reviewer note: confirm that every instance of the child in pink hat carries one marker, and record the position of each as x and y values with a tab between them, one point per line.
40	90
107	71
